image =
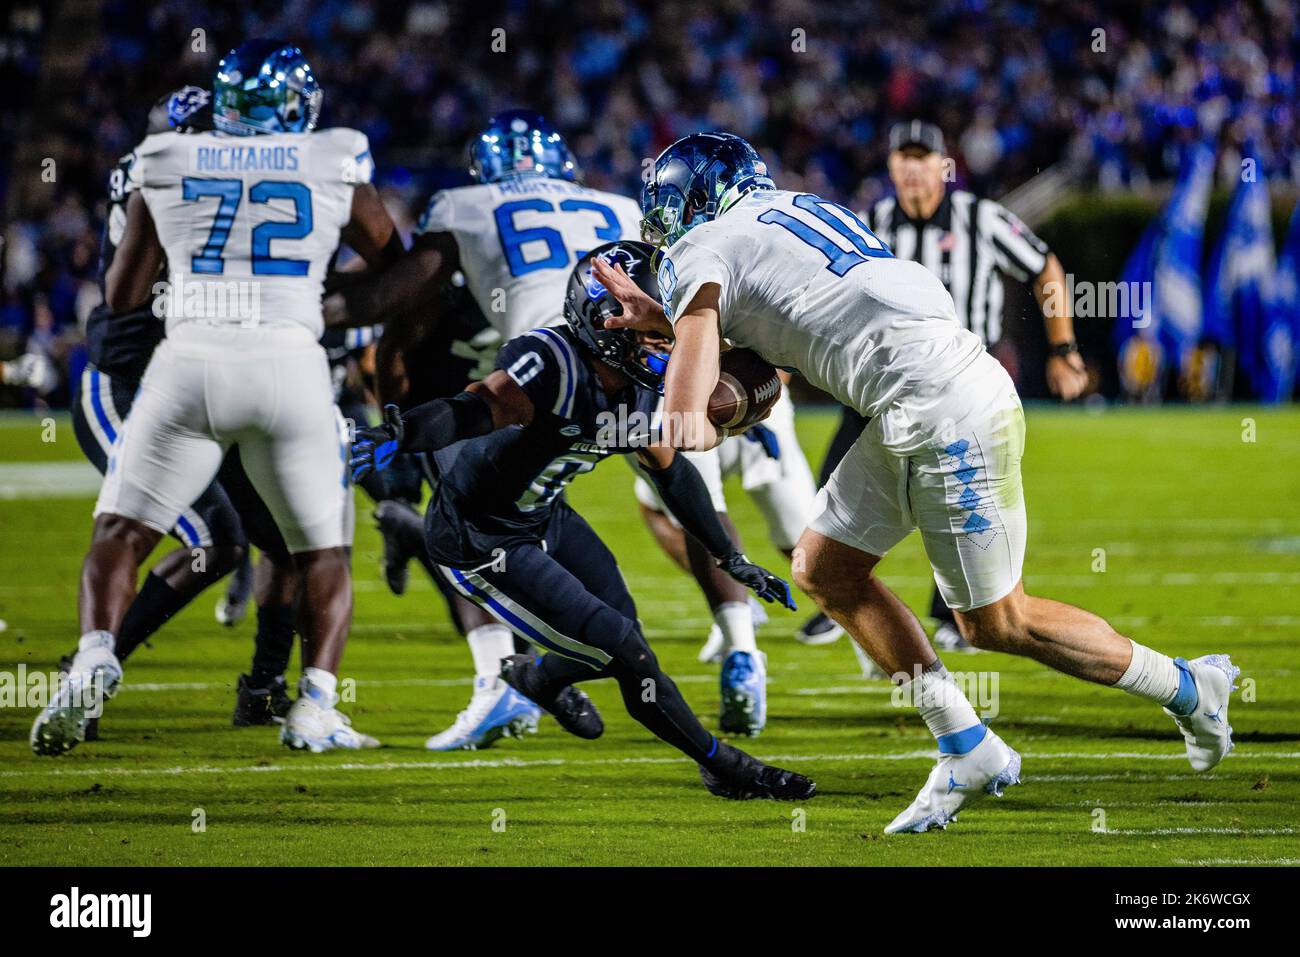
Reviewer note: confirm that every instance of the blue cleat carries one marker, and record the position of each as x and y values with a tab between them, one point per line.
495	711
744	693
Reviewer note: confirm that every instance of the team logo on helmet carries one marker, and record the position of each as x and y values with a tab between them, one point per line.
618	256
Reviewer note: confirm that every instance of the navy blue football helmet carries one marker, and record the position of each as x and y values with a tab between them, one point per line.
696	180
185	110
520	143
587	303
265	86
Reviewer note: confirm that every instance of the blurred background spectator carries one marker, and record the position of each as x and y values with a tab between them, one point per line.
1110	88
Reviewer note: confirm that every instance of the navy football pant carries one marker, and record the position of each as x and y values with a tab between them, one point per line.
567	596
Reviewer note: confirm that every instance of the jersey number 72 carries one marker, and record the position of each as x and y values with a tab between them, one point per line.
228	193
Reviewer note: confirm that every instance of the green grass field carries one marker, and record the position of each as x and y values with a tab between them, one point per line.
1201	537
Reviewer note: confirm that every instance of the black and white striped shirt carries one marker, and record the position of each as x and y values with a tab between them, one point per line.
968	243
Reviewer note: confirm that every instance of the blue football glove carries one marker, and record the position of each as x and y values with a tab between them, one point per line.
373	448
766	438
758	579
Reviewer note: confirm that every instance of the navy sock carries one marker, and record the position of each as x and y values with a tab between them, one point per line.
273	645
153	606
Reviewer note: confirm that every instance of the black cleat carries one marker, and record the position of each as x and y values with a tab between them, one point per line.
737	776
569	706
403	533
819	630
92	724
257	706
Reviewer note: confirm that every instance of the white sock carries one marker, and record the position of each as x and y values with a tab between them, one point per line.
95	649
1150	675
736	622
489	644
94	640
946	712
320	685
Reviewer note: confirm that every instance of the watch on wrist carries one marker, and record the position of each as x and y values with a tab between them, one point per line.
1063	349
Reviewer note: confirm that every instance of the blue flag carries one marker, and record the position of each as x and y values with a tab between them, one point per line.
1165	330
1239	283
1137	345
1176	293
1281	338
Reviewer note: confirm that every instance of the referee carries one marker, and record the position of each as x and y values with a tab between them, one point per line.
969	242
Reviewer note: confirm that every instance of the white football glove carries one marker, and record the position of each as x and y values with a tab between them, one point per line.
33	370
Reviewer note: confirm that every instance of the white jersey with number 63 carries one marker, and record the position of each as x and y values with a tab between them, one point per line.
519	238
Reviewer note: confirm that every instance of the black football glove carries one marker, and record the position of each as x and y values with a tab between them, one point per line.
758	579
375	446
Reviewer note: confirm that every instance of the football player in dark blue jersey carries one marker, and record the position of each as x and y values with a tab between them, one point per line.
560	401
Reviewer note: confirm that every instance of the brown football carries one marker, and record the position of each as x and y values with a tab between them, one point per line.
747	388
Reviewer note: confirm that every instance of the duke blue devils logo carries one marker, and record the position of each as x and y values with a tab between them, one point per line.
615	257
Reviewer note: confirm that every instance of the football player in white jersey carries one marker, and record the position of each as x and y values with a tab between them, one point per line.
805	283
247	218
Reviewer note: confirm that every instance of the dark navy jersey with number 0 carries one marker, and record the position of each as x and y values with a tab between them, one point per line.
503	485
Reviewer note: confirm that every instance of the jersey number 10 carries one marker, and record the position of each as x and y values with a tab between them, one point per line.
228	193
863	241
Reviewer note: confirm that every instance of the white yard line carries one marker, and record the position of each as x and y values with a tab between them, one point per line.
496	763
1170	831
361	683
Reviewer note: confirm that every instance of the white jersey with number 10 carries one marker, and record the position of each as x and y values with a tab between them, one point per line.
806	285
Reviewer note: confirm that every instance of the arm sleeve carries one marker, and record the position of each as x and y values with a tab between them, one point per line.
687	497
683	273
542	363
442	422
1016	250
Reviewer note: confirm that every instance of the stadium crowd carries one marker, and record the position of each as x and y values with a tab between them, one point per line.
1113	88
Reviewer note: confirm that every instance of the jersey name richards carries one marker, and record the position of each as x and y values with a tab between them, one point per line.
806	285
250	223
519	238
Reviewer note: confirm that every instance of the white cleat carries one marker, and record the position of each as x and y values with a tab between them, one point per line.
957	781
1206	729
947	637
312	727
711	650
870	670
93	677
495	711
